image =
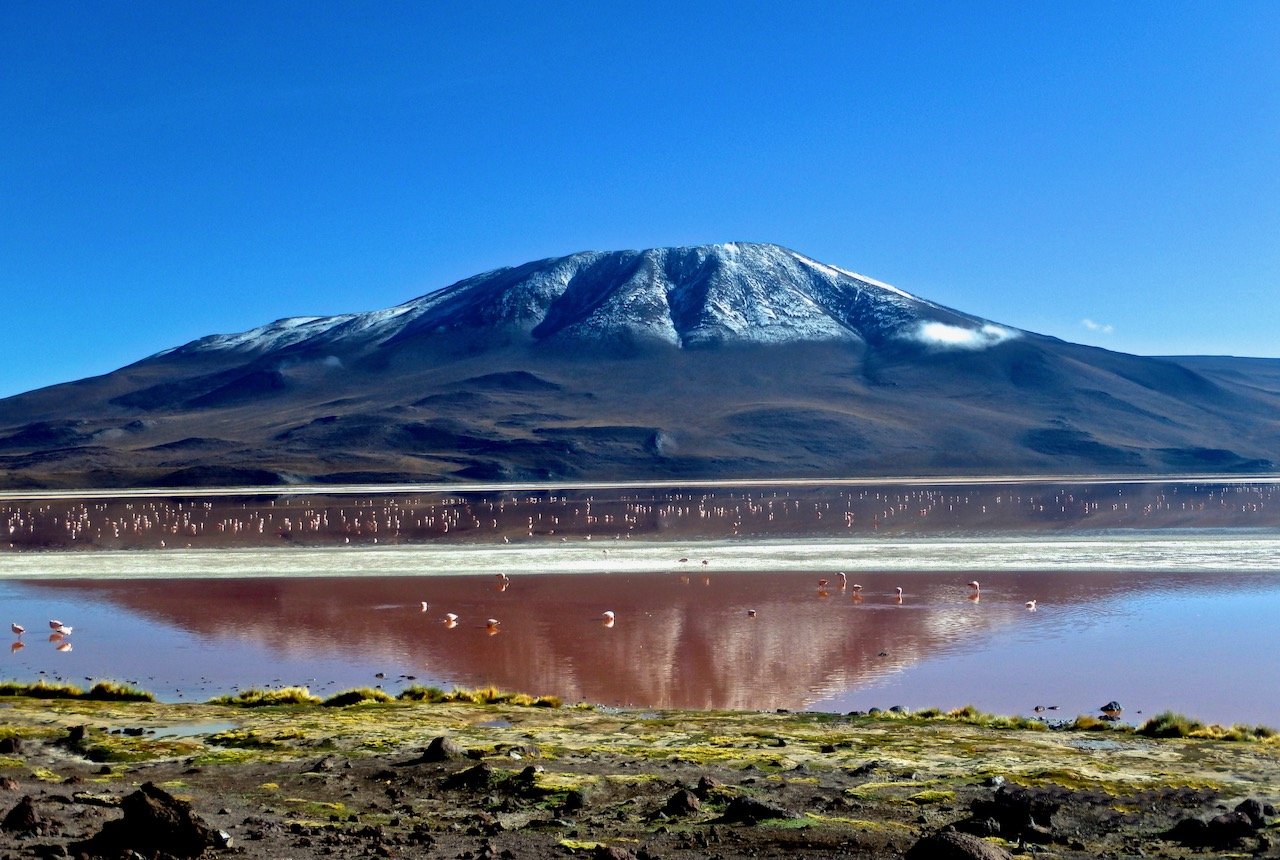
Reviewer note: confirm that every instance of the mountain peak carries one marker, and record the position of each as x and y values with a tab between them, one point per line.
683	297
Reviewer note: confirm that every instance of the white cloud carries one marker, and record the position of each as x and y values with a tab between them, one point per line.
958	337
1105	328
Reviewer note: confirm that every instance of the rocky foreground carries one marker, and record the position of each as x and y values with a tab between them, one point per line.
402	779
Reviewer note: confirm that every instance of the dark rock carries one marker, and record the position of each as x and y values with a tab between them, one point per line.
476	778
706	784
748	810
1229	828
951	845
1112	708
993	781
1255	811
682	803
48	852
222	839
1038	834
1268	810
154	822
10	746
22	818
443	749
573	801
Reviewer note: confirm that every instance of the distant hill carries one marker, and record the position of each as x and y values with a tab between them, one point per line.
735	360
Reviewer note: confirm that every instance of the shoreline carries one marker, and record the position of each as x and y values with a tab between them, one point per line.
1155	552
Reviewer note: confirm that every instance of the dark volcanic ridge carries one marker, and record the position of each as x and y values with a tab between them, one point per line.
737	360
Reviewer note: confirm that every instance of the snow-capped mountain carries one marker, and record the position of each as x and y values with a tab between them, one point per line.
733	360
684	297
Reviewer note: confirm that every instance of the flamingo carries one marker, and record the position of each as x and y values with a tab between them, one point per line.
974	585
751	613
608	618
899	590
450	620
491	626
17	629
424	606
64	630
64	647
1031	605
844	580
54	624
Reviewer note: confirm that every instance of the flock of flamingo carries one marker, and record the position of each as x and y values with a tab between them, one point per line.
58	636
608	618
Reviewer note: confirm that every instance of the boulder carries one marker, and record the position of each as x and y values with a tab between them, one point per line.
22	818
154	822
748	810
950	845
706	784
1229	828
612	852
1255	810
443	749
682	803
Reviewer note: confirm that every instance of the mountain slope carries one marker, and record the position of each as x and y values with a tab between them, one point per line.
734	360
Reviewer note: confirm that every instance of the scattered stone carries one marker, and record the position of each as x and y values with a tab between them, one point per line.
748	810
22	818
950	845
443	749
682	803
10	746
154	822
993	782
1112	708
222	839
8	783
899	709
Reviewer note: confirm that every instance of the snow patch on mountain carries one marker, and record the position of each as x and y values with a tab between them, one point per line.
942	335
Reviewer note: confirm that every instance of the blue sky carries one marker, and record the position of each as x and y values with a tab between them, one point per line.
170	170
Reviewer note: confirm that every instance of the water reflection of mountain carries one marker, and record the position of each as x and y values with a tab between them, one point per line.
677	642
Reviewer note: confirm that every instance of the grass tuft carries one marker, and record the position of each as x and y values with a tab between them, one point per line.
358	696
113	691
103	691
254	698
483	696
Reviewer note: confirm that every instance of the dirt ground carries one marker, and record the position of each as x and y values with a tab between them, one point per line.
524	782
